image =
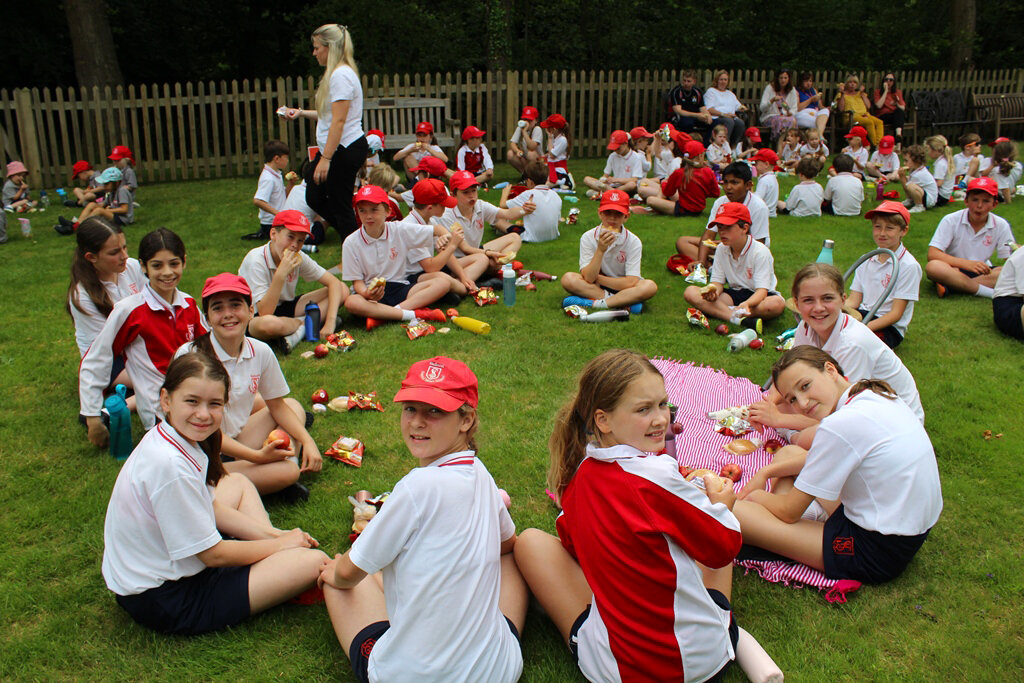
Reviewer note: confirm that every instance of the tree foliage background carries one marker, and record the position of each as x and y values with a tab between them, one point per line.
182	40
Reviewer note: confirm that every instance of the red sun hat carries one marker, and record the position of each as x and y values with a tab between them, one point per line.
998	140
431	166
680	138
858	132
440	382
640	132
886	144
378	133
692	149
425	127
766	155
121	152
617	139
888	208
369	193
984	184
529	113
753	133
226	282
80	167
291	219
732	213
431	191
614	200
462	180
472	132
554	121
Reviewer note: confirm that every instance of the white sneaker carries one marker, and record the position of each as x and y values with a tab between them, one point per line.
908	203
916	208
593	194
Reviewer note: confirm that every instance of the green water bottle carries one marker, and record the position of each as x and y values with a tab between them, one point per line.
825	255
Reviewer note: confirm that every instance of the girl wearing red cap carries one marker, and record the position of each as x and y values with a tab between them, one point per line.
85	174
124	159
425	146
622	170
559	147
853	100
526	143
473	155
448	603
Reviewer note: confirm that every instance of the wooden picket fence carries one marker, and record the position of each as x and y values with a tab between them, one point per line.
212	129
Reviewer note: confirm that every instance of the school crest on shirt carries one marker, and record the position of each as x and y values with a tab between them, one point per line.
393	254
190	332
988	241
254	383
433	373
622	257
886	279
132	288
750	273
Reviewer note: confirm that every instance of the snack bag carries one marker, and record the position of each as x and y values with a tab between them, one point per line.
340	341
347	450
698	275
485	296
733	426
697	319
419	329
364	401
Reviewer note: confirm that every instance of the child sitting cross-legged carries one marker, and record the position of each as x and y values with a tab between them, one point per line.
844	192
917	181
609	275
542	224
806	196
748	267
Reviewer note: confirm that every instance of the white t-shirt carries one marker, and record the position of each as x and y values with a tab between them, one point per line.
955	236
160	515
860	156
754	268
663	164
874	457
805	199
629	166
89	321
559	149
537	135
254	370
419	152
887	163
344	85
758	217
1008	181
622	259
297	200
722	101
939	169
258	269
807	150
923	177
716	154
872	277
846	192
864	356
1011	277
460	157
270	188
389	256
960	163
436	543
542	224
768	191
472	227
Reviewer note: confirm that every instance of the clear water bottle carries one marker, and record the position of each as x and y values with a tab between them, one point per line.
508	285
44	199
825	255
312	323
741	340
120	423
309	249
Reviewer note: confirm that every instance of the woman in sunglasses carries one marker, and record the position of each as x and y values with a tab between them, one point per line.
888	104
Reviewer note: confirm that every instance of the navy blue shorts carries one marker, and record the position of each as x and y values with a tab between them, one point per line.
890	336
115	369
362	645
851	552
211	600
286	309
395	293
1006	312
680	211
739	296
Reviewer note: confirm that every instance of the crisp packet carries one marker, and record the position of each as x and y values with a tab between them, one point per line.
698	275
485	296
364	401
733	426
786	345
575	311
418	329
346	450
697	319
523	279
574	215
340	341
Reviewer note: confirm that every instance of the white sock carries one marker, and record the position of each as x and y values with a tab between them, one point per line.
407	316
985	292
600	303
295	337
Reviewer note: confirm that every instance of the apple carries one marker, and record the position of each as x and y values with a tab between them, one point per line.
773	445
452	312
722	329
517	265
757	344
685	471
731	471
279	435
320	396
530	287
676	428
321	350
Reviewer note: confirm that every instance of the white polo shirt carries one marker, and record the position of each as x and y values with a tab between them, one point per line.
923	177
254	370
258	269
160	515
960	163
955	236
861	156
364	257
542	224
1008	181
270	188
806	150
537	135
871	455
846	192
622	258
297	200
436	543
629	166
89	321
418	153
473	226
753	269
939	170
873	276
805	199
664	163
1011	277
758	216
887	163
558	149
344	85
768	191
864	356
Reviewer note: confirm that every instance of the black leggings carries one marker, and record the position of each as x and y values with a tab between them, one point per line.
333	198
894	118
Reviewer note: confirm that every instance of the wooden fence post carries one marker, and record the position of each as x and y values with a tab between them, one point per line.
24	107
511	104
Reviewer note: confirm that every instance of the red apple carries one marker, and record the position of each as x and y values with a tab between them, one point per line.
320	396
321	350
722	329
773	445
517	265
731	471
685	471
530	287
676	428
757	344
452	312
279	435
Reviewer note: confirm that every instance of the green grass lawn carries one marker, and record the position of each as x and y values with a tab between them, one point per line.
954	615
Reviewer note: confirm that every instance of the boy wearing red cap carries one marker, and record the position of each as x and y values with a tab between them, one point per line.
526	142
425	146
764	161
124	159
889	224
609	275
273	271
958	255
884	162
622	170
557	156
429	167
85	174
749	268
382	260
858	149
473	155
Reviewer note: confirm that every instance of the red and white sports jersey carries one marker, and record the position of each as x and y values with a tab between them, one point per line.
146	330
474	161
638	530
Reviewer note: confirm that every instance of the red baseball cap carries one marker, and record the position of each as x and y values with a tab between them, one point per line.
378	133
766	155
80	167
554	121
226	282
462	180
431	165
998	140
425	127
858	132
753	133
984	184
640	132
472	132
889	207
121	152
667	125
440	382
292	219
681	138
614	200
692	149
732	213
617	139
431	191
529	113
886	144
368	193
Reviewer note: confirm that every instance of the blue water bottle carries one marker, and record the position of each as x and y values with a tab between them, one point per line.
312	323
120	424
825	255
508	285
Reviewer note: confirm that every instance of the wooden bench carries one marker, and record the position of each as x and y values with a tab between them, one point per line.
938	108
398	116
1001	108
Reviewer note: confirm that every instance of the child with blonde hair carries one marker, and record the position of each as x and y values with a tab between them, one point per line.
917	181
942	170
719	153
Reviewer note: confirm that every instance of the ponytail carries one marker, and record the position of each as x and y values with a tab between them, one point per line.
91	235
878	386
